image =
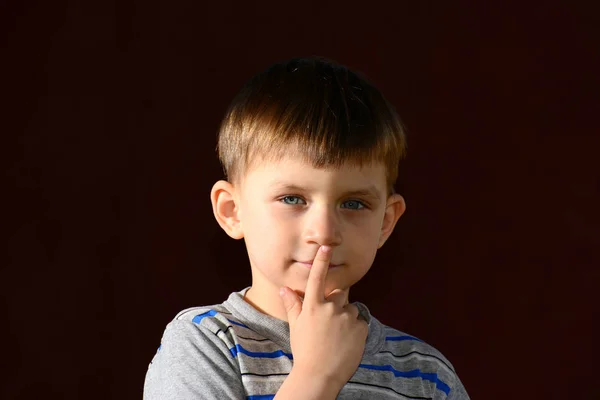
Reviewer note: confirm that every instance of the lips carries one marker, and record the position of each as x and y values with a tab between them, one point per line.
309	264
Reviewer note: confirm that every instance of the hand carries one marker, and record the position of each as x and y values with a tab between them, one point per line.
326	336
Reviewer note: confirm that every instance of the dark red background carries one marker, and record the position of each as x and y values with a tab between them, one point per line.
110	113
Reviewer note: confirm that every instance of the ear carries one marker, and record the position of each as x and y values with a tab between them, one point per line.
394	209
223	199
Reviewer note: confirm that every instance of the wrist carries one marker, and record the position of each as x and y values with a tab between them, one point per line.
308	386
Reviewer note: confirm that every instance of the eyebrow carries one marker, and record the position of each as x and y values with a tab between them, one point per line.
370	191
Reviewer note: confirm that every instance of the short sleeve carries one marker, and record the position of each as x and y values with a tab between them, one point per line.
192	363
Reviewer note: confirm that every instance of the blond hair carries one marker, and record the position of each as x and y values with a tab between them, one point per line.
313	108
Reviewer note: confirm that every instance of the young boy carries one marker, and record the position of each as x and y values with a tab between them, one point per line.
310	150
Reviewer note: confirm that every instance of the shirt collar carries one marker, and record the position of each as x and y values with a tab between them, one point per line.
279	331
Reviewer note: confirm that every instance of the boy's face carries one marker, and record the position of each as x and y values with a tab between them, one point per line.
286	210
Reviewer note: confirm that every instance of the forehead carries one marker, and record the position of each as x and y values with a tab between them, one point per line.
294	171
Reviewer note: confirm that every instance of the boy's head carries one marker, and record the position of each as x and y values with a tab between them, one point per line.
310	150
327	113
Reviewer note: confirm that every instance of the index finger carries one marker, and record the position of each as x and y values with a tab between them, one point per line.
315	287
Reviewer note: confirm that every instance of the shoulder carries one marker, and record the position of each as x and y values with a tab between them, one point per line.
194	358
398	343
201	331
215	319
206	316
410	356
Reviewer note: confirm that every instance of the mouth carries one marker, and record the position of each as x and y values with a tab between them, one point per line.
308	264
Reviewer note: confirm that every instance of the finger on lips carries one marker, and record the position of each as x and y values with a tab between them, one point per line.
315	286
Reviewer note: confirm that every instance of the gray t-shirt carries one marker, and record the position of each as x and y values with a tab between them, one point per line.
233	351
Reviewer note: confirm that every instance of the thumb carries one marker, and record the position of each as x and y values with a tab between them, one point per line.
292	304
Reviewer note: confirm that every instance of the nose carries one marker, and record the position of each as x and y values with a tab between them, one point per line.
322	227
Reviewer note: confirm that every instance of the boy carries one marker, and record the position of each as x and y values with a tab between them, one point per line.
310	150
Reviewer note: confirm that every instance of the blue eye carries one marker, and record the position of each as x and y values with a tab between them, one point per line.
290	197
357	203
295	200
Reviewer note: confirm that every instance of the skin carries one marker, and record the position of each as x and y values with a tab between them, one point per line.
283	226
327	338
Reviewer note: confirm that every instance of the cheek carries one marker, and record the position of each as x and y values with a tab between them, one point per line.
365	226
364	252
256	219
365	240
265	235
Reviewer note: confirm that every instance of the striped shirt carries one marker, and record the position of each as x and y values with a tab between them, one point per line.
233	351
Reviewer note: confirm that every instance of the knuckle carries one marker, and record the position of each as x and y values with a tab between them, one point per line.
309	309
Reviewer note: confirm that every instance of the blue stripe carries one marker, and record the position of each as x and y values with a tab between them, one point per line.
275	354
238	324
400	338
200	317
212	313
261	397
415	373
